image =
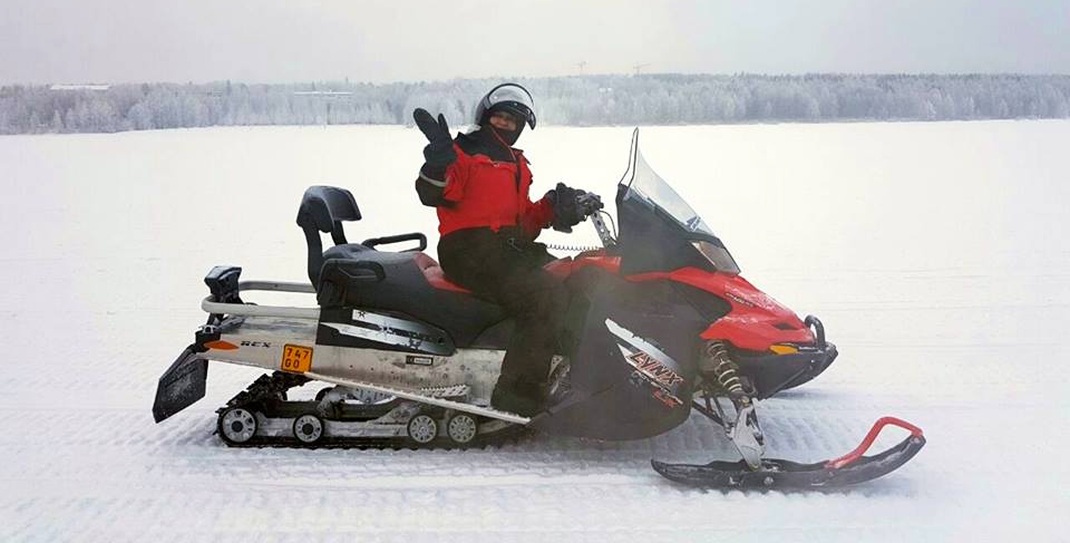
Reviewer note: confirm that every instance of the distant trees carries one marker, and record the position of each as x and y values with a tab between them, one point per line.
581	100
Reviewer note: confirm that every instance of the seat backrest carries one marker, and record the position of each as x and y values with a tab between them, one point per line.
323	209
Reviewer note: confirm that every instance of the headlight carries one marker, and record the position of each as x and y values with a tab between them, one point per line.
717	255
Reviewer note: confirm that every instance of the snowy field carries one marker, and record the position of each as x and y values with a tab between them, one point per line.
938	256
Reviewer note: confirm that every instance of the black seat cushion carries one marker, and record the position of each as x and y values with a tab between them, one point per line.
371	279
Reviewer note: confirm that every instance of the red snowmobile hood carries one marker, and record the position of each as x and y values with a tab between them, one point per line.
756	321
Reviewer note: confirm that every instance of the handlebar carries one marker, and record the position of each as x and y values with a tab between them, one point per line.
589	203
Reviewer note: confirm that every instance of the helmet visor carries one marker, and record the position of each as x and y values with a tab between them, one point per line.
512	98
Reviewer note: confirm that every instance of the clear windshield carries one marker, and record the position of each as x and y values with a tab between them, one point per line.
648	185
658	229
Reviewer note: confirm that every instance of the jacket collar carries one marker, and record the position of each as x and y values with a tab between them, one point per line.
482	142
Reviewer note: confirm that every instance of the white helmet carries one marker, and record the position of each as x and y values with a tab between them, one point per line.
509	97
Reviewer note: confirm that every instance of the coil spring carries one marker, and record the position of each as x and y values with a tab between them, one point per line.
573	248
723	368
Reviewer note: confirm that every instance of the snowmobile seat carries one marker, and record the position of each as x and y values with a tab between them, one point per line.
406	283
323	209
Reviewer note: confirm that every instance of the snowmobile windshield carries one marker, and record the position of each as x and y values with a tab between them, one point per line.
647	184
659	229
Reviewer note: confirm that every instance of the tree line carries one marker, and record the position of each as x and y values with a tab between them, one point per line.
576	101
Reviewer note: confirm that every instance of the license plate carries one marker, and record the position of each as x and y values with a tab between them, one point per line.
296	359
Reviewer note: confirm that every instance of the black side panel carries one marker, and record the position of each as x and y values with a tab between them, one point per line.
347	327
393	282
617	396
496	337
709	305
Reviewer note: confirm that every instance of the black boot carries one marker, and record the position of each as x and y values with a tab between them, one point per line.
521	397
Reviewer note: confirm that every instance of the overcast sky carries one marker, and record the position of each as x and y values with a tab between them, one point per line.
108	41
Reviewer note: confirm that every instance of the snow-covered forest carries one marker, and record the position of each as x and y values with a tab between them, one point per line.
578	101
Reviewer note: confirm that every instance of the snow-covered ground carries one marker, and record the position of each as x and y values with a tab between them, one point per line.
937	255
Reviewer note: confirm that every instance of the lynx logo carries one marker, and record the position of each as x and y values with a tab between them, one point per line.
654	369
263	344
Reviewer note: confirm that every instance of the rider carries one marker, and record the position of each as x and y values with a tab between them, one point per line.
488	224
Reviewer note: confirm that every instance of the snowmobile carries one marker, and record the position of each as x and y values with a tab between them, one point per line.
660	324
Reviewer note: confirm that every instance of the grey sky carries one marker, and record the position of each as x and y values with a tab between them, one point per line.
72	41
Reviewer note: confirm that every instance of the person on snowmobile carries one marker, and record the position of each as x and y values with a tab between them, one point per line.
479	183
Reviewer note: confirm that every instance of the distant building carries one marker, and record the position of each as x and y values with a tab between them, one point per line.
79	87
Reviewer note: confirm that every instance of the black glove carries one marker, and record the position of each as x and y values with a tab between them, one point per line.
567	211
588	202
439	152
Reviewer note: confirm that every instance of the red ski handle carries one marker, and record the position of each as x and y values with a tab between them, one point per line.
870	438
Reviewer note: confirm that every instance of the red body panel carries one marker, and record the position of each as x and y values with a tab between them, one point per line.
755	322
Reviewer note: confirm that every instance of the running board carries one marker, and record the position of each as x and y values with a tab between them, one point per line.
434	399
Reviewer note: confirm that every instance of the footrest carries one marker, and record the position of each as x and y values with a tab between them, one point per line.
453	391
438	396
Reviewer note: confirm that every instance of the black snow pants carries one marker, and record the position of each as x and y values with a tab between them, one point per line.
501	267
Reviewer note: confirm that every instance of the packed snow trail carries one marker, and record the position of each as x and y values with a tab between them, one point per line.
930	251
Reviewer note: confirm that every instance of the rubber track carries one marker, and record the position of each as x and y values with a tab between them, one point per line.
278	383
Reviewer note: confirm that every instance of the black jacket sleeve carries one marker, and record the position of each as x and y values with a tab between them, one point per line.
430	184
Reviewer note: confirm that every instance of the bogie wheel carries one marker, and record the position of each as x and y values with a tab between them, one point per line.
422	429
462	428
237	425
308	428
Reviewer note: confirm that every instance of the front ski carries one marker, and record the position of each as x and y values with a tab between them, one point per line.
849	469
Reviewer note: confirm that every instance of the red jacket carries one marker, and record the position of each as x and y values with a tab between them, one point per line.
481	192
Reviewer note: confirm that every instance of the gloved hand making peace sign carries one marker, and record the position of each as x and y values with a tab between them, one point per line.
439	152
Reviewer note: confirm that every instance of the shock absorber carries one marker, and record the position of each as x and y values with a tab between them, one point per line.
723	369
